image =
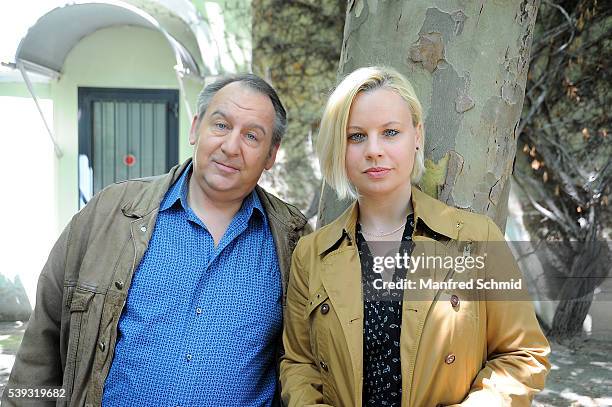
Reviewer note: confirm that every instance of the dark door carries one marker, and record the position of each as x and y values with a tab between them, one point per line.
125	134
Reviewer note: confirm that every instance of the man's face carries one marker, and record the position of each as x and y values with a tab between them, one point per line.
233	142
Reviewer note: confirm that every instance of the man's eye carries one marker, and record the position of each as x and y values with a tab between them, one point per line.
251	136
390	133
221	126
356	137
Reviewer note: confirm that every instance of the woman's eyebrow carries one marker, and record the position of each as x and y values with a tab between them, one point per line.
383	125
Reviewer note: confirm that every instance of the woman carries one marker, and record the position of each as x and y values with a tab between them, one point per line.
350	343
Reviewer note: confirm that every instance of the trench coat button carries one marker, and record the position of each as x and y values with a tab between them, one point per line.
323	366
102	346
143	228
324	309
454	301
450	358
119	284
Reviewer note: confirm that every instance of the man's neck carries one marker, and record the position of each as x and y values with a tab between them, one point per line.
215	210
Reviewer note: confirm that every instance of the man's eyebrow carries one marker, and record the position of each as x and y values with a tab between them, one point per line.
256	126
248	125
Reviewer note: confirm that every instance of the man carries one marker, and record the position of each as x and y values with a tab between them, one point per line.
169	291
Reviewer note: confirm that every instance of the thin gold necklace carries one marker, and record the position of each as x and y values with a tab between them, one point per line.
381	234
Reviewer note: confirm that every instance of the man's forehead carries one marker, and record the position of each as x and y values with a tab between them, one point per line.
241	96
237	98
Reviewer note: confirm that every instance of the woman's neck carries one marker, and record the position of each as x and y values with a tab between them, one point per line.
384	213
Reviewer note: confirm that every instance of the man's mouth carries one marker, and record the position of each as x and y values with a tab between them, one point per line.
226	167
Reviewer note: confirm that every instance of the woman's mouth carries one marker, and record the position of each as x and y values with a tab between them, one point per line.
377	172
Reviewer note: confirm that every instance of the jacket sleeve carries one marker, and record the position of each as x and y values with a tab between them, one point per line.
517	362
38	362
299	374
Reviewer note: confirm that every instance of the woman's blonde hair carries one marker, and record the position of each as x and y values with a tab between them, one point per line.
331	141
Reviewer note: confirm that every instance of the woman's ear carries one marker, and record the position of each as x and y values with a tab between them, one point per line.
419	136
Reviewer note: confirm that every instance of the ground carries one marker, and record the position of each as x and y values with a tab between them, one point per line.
579	377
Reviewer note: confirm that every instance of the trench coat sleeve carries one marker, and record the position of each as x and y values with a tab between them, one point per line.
517	361
38	361
299	374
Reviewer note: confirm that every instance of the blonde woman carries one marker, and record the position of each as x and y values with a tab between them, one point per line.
349	343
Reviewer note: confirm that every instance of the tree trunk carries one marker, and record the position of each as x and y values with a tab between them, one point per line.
468	63
296	47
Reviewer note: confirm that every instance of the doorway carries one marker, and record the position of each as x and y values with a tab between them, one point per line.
125	134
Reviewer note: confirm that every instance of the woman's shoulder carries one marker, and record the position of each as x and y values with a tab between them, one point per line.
327	236
469	225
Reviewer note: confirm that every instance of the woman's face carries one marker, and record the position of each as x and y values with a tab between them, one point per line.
381	143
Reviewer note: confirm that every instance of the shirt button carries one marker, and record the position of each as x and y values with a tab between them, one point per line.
143	228
188	357
198	310
454	301
324	309
450	358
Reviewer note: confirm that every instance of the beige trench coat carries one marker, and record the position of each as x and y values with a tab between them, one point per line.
457	347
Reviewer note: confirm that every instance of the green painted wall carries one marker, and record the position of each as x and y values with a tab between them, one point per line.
117	57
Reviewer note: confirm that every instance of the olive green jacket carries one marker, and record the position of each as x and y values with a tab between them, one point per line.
71	335
468	347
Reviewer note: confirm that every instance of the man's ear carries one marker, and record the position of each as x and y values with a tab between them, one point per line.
272	156
193	132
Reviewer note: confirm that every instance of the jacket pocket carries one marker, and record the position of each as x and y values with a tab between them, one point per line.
79	304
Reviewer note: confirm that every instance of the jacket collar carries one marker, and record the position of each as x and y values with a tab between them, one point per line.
150	198
438	216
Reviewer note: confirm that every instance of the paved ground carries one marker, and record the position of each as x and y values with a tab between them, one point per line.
10	338
579	378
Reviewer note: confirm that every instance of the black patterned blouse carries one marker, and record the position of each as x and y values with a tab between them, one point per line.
382	373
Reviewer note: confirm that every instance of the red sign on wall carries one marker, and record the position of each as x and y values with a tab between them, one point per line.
129	160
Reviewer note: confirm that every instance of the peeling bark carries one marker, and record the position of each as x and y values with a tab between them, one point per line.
468	63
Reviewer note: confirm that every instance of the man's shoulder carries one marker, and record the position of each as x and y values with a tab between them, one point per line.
280	210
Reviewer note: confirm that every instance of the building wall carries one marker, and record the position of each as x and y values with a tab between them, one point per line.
27	208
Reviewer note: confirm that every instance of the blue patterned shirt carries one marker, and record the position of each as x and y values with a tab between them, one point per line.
201	323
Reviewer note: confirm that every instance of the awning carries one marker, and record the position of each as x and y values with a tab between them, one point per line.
47	43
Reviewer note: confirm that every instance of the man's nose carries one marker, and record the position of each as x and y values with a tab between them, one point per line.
231	144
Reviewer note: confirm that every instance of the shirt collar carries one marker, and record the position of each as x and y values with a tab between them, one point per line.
178	192
435	214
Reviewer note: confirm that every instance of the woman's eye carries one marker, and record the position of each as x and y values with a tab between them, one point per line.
356	137
390	133
221	126
251	136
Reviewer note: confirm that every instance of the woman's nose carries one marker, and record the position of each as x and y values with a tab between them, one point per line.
373	146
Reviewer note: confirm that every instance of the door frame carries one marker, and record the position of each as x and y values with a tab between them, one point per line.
86	97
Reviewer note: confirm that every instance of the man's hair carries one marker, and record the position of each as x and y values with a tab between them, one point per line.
254	83
331	141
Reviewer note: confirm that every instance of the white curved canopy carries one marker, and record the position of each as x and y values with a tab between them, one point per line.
47	43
